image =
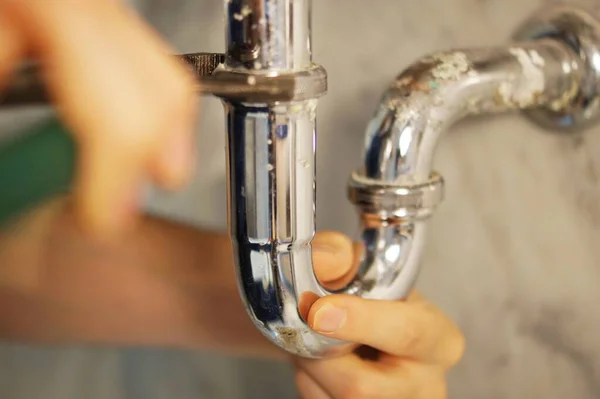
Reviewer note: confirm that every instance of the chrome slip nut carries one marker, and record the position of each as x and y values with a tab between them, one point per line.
389	200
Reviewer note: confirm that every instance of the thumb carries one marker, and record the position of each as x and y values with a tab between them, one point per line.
333	259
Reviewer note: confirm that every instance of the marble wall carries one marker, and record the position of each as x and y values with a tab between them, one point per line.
512	256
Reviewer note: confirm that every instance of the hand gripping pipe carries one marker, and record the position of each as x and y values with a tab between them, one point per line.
270	87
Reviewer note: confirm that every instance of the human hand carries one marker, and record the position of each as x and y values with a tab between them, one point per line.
407	346
127	101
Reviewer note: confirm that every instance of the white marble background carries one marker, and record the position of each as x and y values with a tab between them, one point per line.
513	254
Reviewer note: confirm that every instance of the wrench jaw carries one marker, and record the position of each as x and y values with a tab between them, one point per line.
213	78
203	64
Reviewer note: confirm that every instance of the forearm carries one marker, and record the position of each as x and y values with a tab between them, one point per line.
163	285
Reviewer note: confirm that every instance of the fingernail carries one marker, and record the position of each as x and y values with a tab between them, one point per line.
329	319
179	157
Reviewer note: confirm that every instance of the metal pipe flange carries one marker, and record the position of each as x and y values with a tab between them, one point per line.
578	28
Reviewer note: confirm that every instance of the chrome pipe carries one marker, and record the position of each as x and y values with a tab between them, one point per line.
268	36
271	167
271	159
440	89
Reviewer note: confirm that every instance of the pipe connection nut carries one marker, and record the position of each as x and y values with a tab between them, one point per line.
395	200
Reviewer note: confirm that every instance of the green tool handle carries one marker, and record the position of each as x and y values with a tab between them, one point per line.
35	167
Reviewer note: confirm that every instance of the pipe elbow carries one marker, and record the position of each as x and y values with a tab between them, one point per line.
272	218
271	153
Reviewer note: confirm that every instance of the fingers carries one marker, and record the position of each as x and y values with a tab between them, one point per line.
130	105
412	329
332	256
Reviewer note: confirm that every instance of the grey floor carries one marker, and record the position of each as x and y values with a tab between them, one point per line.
513	255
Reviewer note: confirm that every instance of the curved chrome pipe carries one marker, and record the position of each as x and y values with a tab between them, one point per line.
271	152
440	89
